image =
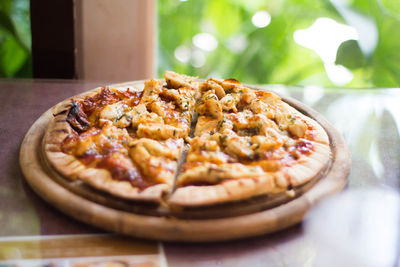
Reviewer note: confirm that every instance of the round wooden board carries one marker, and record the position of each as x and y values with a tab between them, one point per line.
43	182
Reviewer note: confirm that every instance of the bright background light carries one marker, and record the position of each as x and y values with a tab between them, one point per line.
324	37
261	19
205	41
182	53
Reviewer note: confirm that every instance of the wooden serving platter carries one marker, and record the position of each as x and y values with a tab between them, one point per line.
235	220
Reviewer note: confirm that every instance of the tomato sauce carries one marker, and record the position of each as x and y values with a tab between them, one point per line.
98	101
104	156
123	173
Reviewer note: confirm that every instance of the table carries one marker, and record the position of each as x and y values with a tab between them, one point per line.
369	120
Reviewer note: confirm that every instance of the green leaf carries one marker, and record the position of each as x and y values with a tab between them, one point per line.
12	56
20	16
26	69
225	16
384	77
349	55
391	6
6	22
5	5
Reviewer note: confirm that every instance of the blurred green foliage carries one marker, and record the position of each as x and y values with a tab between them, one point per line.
15	39
248	53
271	55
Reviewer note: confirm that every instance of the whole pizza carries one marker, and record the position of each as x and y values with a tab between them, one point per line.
185	142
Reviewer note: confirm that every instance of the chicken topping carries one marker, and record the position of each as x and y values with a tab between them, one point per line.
138	136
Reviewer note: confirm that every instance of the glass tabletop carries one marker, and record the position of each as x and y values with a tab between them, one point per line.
369	120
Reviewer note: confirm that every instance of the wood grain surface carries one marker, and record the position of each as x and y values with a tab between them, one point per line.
225	222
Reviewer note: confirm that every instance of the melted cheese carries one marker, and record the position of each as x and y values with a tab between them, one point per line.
240	132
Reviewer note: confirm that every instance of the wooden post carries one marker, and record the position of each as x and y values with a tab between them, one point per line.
114	40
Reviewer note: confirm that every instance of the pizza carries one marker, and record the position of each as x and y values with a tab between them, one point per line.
185	142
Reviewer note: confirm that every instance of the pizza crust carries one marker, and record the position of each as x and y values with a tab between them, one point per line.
229	190
57	131
102	180
309	166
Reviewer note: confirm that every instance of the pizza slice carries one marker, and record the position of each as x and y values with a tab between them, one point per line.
93	138
247	143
